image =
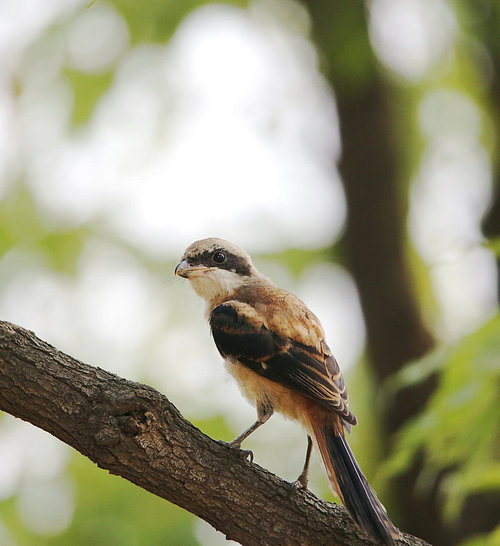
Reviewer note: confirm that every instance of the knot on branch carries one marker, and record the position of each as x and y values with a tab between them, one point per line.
133	423
114	424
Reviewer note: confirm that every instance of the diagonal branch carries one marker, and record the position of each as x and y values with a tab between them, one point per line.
133	431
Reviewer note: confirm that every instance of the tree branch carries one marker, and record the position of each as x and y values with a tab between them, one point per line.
133	431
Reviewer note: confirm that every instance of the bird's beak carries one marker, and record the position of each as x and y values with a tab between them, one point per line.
184	269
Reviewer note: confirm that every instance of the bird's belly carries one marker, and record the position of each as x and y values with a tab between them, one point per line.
259	390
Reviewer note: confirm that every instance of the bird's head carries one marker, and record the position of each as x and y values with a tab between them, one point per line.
215	268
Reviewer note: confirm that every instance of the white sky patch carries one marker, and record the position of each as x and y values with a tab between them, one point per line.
21	23
209	536
34	296
452	188
95	39
21	462
449	196
104	316
119	310
445	114
8	152
412	36
228	130
329	291
465	289
46	507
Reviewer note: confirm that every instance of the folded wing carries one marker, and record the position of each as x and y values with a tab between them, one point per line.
241	336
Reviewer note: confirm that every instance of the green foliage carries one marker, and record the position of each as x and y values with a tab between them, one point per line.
343	38
216	428
493	245
139	517
460	429
493	539
365	438
87	90
21	226
63	248
299	259
19	221
157	20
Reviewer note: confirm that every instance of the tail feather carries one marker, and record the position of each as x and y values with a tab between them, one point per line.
349	482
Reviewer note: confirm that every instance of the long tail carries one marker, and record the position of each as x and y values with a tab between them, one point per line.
348	481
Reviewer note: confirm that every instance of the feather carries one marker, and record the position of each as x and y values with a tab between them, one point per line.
348	480
241	335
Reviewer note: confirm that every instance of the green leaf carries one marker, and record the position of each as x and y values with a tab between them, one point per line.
460	429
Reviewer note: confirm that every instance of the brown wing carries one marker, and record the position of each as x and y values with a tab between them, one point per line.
302	368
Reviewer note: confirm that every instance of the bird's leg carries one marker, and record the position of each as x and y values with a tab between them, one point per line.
264	411
303	479
239	439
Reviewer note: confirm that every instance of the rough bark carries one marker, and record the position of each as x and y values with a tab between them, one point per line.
133	431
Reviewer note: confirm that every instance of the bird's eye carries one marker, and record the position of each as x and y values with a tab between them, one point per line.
219	257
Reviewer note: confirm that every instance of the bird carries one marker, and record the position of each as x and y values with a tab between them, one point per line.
275	348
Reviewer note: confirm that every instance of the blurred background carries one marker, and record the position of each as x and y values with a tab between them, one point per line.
350	147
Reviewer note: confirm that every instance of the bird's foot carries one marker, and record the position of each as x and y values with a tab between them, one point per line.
300	483
246	454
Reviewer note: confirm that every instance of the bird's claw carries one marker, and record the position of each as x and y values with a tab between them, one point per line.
299	483
245	454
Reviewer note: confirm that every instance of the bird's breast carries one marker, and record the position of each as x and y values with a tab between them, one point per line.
259	390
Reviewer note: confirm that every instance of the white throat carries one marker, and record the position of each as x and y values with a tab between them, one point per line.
216	284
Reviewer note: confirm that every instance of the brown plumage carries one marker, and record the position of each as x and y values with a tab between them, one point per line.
275	348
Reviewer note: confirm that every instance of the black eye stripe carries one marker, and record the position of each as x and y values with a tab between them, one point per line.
232	262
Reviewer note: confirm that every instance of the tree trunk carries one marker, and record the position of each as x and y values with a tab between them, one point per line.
375	236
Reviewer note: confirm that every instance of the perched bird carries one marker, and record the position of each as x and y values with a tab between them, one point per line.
275	348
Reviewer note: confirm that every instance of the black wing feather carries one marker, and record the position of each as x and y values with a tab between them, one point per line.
235	337
285	361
